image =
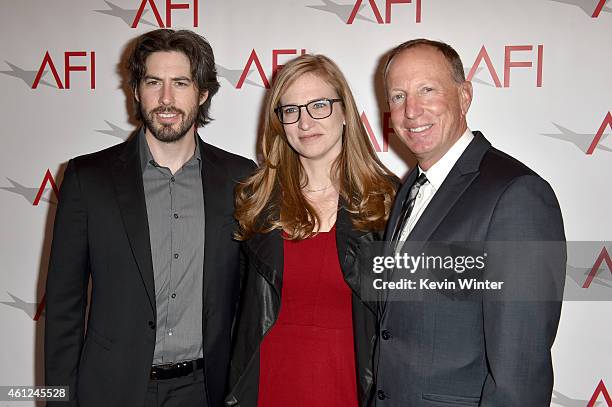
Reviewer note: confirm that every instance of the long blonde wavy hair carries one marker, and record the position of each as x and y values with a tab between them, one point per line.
272	197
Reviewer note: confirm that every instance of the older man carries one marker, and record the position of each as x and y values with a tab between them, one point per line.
439	350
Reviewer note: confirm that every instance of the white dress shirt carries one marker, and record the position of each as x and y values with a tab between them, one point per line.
435	177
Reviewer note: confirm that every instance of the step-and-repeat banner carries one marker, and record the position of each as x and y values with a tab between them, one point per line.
542	92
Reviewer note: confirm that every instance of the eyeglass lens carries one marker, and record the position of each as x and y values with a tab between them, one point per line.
317	109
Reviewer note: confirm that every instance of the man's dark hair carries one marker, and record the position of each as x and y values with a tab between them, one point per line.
449	53
195	48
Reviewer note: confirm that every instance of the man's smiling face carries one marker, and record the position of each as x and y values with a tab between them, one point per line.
428	107
169	99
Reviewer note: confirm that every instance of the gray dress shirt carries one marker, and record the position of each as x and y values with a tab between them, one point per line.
175	211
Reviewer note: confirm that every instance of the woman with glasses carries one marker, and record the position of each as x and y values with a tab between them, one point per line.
303	336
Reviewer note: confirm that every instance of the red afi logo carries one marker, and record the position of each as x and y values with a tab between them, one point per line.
376	11
48	61
254	59
598	9
387	130
601	389
43	185
39	309
603	255
606	122
169	7
483	55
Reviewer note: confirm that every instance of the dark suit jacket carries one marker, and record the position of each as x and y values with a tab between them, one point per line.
441	351
260	304
101	231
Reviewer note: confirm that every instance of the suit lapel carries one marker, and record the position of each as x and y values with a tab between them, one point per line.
461	176
450	191
268	247
399	201
465	170
127	179
394	217
214	183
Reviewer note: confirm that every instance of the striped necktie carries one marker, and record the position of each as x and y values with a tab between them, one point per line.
408	206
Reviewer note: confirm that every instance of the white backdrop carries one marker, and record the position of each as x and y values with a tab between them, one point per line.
542	92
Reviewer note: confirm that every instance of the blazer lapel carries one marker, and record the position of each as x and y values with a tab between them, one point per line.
399	201
268	247
465	170
211	187
394	217
214	185
461	176
453	186
129	189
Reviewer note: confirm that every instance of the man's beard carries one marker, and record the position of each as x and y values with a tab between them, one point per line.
166	133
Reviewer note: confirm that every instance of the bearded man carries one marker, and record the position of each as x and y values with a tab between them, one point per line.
150	222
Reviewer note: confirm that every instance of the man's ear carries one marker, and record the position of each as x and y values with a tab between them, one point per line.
136	95
465	96
203	97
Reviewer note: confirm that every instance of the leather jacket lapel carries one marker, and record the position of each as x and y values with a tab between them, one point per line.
266	250
350	243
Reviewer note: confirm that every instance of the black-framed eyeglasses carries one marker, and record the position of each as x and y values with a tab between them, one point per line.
317	109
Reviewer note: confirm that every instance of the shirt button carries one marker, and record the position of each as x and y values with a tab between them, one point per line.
151	325
170	332
381	395
386	335
176	255
172	179
176	216
173	295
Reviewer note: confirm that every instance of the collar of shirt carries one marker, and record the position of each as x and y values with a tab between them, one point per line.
439	171
147	158
436	176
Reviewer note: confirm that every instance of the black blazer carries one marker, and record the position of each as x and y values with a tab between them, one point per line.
440	351
263	264
101	231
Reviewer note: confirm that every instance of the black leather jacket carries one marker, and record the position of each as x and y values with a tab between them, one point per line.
262	268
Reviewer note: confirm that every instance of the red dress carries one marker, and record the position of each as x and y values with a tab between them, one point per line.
308	358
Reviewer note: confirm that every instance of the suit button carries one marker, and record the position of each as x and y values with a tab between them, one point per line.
386	335
381	395
151	325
